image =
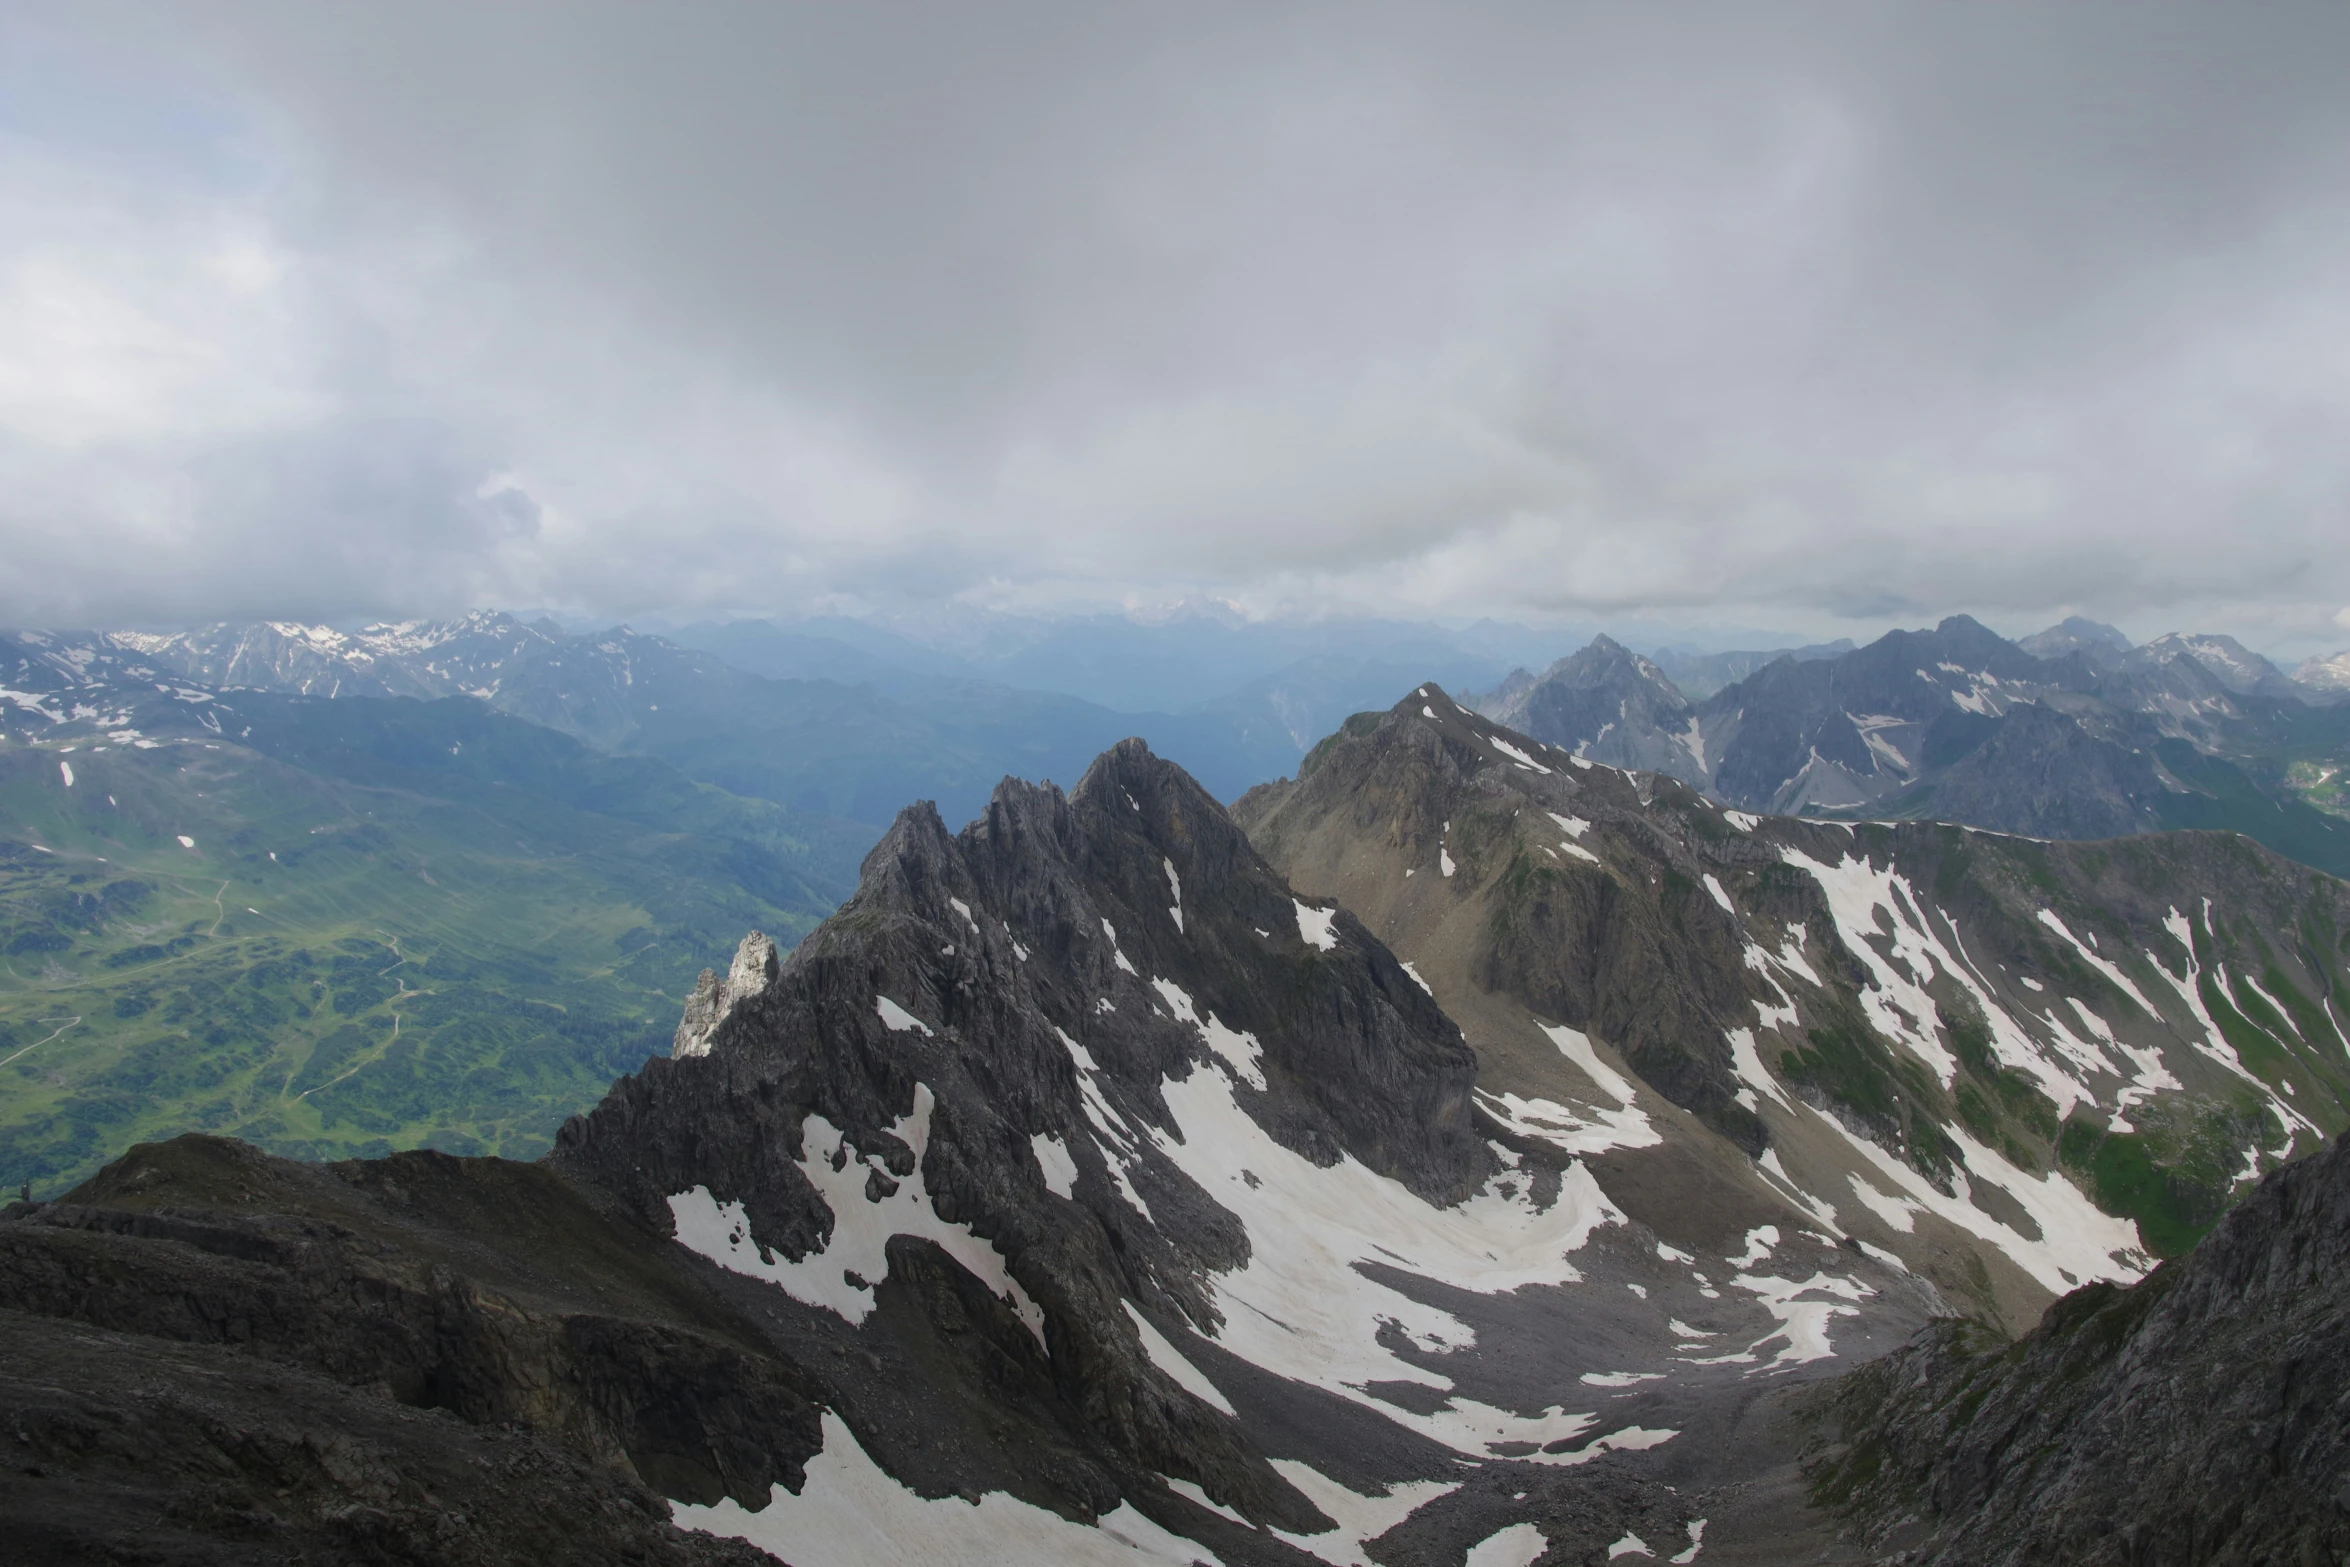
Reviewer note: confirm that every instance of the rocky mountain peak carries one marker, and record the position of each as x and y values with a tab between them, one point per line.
2228	661
1606	702
1165	1113
1795	986
2325	672
2102	645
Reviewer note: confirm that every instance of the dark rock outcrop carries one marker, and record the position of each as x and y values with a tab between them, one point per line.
418	1358
2193	1418
128	1448
2035	770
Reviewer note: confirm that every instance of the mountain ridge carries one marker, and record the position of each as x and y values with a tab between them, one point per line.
1886	990
1959	724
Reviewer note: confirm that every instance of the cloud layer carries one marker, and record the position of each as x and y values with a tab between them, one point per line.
1817	316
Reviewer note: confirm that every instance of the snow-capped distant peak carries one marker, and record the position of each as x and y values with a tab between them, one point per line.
2327	671
2230	662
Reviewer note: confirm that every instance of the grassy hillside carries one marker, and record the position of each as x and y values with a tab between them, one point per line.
2228	799
242	937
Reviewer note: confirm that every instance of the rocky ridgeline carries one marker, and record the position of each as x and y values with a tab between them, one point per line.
1038	976
2016	1065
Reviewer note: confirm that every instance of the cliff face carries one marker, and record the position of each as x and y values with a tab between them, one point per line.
2193	1417
214	1355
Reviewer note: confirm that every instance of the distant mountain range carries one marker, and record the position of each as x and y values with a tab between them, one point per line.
2330	672
1700	675
2073	733
1180	663
819	745
658	797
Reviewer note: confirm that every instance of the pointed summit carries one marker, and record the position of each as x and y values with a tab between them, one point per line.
1609	704
2103	646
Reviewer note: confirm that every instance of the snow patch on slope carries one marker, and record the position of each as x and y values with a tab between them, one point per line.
1112	1136
852	1514
2077	1242
1516	1546
1060	1171
2121	981
1171	1360
1236	1050
1570	1130
862	1224
1747	1062
1359	1517
1576	1047
1302	1307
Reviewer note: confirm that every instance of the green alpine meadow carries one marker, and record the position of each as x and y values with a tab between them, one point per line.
458	953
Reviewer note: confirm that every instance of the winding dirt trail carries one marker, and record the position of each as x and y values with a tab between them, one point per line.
38	1043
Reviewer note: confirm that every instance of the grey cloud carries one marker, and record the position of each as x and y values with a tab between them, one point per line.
361	519
1801	314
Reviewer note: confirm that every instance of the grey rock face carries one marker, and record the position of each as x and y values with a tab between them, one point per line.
2040	773
2195	1417
714	999
2228	661
2103	646
1700	675
968	965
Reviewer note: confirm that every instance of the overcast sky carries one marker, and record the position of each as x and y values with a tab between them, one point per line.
1814	317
